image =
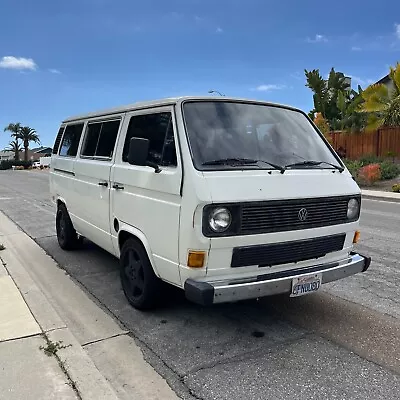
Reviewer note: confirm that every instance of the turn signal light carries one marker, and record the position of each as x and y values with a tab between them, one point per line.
196	259
356	237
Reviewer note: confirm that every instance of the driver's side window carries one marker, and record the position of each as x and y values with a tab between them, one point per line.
158	129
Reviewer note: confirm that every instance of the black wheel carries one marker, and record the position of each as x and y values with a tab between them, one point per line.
141	286
66	234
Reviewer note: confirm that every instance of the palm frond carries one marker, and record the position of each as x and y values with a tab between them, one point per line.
391	116
376	98
395	77
374	121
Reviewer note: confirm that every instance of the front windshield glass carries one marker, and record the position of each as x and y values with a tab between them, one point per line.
226	135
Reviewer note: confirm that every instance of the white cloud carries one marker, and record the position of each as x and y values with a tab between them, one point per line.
219	30
267	88
318	39
20	63
54	71
397	28
356	48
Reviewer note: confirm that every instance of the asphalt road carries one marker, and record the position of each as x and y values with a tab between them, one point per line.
341	343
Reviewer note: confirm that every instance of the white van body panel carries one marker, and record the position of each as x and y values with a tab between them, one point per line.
149	202
93	200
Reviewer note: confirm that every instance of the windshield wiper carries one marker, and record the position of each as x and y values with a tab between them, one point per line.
312	163
242	161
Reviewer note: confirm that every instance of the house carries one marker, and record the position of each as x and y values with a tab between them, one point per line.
35	153
6	155
45	151
387	81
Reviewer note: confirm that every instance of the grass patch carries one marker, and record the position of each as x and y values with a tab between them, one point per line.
52	347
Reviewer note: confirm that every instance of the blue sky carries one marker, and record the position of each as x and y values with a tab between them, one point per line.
59	58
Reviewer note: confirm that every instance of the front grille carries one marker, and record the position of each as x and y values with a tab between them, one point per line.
283	215
287	252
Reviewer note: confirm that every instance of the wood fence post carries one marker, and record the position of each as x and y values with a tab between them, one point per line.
378	136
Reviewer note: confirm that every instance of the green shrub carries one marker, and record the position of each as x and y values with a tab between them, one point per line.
353	166
396	188
7	164
389	170
370	159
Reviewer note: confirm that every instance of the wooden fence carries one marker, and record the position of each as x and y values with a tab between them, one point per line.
384	142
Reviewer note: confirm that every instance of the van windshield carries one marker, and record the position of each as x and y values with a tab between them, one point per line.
230	135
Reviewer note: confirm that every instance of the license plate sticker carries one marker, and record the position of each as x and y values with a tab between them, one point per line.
305	285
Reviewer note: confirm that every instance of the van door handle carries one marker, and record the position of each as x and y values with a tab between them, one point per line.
118	187
105	184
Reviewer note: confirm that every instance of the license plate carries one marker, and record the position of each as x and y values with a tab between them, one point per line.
305	285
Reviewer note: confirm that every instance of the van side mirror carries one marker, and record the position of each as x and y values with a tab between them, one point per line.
139	152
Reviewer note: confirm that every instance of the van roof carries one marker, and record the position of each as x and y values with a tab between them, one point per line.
162	102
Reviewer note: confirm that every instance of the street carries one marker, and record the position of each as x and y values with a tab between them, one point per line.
340	343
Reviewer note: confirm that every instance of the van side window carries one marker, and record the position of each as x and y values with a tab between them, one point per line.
70	142
58	140
158	129
100	139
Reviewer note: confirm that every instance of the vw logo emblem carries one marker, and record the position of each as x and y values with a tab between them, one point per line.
302	215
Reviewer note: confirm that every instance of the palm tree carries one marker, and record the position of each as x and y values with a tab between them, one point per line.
382	105
27	135
15	147
14	129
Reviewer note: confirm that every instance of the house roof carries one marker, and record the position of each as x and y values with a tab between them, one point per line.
6	153
385	79
40	149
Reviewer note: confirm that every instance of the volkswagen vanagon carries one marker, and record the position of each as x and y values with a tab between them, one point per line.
228	199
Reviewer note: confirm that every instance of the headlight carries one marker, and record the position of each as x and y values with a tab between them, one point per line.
220	219
353	209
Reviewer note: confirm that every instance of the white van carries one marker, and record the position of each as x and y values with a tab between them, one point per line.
228	199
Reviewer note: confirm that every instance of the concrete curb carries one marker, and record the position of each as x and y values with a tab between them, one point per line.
97	354
380	195
80	369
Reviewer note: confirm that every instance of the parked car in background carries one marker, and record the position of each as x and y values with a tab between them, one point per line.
228	199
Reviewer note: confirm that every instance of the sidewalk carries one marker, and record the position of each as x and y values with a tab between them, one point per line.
55	343
26	371
381	195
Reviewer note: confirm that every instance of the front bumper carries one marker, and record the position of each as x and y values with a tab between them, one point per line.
207	293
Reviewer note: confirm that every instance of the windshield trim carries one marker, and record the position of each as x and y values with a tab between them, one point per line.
252	102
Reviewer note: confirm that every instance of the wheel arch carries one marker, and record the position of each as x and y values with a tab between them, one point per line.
59	201
129	232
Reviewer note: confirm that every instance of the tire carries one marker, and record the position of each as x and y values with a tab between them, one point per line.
141	286
66	234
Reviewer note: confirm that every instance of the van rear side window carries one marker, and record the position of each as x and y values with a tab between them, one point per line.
100	139
70	142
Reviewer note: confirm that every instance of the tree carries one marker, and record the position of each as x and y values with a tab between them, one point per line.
351	120
322	124
15	147
14	129
326	92
27	135
381	105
